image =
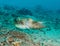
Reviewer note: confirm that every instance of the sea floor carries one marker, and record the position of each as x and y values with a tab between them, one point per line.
13	36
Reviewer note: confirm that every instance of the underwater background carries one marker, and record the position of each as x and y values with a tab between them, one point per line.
45	33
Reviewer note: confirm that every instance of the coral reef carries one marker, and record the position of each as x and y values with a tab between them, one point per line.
22	27
14	38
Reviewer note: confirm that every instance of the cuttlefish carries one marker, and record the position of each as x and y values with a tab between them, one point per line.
28	23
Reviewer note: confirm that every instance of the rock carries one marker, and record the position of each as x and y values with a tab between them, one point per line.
24	11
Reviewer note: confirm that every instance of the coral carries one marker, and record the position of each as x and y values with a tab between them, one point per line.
15	38
16	43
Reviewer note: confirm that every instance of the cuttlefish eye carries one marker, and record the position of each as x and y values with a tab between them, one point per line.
21	22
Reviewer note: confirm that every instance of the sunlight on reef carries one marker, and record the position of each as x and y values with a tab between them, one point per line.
28	24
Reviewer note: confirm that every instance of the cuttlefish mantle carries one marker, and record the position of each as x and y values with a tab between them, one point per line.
28	23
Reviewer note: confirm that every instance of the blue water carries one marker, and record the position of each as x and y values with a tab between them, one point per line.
48	4
47	11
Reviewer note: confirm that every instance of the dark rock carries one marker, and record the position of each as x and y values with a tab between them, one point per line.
6	14
14	15
24	11
1	13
